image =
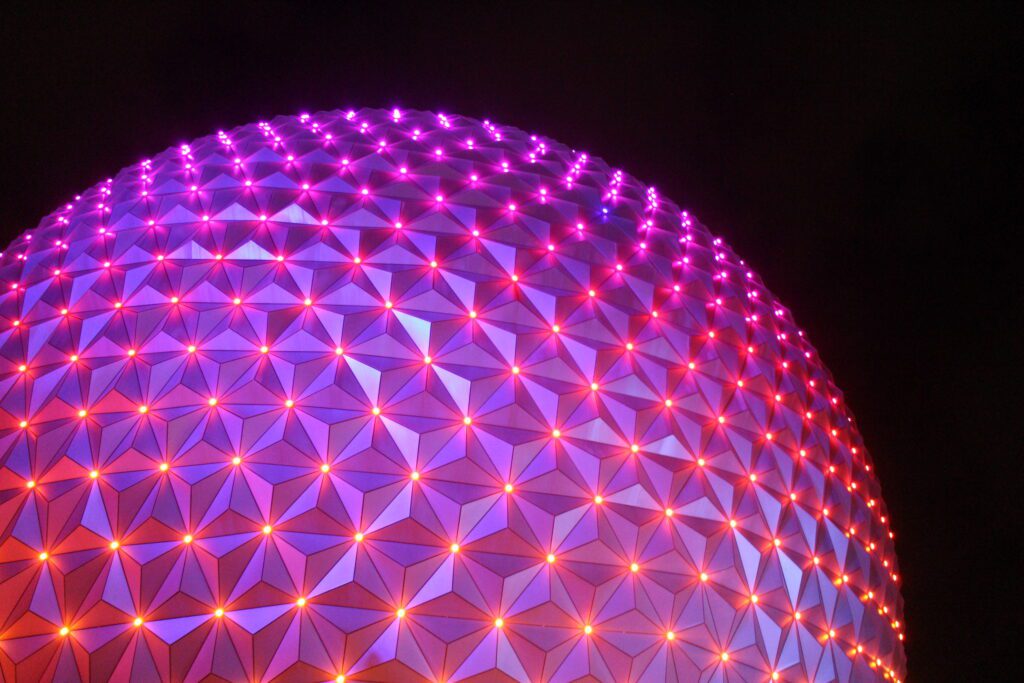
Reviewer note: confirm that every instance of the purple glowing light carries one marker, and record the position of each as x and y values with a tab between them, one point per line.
390	395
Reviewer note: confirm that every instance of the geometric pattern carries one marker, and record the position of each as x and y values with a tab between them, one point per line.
383	395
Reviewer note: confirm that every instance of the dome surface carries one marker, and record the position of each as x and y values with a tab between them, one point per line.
396	396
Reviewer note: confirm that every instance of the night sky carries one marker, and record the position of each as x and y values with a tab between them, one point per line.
867	165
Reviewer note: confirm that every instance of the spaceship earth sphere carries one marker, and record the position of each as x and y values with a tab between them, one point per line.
385	395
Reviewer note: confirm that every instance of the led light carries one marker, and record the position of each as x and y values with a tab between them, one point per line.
301	602
64	630
93	474
588	629
114	545
325	468
400	613
187	538
634	567
454	547
499	623
43	556
267	528
218	612
137	622
550	558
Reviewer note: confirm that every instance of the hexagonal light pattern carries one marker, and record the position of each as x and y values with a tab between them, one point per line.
380	395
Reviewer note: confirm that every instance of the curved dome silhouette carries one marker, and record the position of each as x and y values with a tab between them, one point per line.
396	396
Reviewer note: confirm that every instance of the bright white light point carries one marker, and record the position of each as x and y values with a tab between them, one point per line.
307	302
669	635
499	622
218	612
94	474
515	369
267	529
598	499
359	537
187	538
236	461
509	488
376	410
191	348
325	468
454	547
415	476
556	433
669	512
114	545
289	403
301	602
400	613
212	401
138	622
338	351
550	558
634	567
588	629
164	467
64	630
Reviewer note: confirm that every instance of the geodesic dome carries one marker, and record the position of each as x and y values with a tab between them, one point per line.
380	395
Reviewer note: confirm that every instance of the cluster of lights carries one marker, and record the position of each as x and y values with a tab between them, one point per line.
769	333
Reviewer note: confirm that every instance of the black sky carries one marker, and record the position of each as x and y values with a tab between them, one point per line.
867	163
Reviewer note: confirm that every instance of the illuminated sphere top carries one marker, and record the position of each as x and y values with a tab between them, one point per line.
383	395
